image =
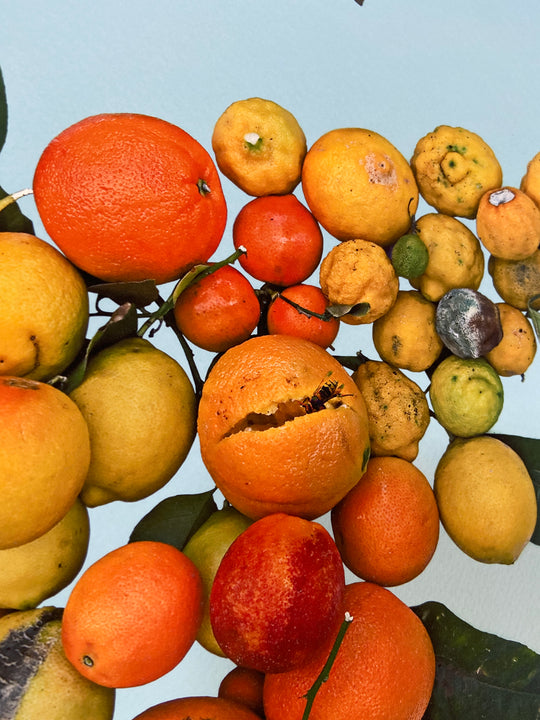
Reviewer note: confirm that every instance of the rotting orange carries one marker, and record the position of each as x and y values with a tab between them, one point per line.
387	527
385	666
283	241
244	686
198	708
133	615
128	197
218	311
282	427
285	319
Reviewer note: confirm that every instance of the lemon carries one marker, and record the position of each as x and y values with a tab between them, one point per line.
44	458
260	147
44	308
409	256
39	683
35	571
486	499
467	395
140	408
530	182
206	549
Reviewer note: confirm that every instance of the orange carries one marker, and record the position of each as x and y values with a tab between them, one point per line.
244	686
285	319
385	666
283	241
358	185
282	427
218	311
508	223
133	615
517	349
44	458
387	526
530	182
130	197
198	708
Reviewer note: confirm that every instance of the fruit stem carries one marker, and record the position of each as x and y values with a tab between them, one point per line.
325	672
4	202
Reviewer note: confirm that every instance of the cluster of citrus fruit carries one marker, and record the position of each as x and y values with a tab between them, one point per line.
286	431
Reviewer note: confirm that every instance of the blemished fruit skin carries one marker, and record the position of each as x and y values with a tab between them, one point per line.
37	682
277	593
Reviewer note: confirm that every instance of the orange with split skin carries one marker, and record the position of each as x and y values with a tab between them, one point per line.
508	223
282	427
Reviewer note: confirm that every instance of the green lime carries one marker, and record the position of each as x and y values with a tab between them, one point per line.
410	256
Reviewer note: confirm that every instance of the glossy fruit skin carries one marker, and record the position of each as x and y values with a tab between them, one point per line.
128	197
218	311
277	593
385	667
284	319
245	686
284	242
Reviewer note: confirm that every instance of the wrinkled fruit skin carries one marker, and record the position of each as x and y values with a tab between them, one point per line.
277	593
468	323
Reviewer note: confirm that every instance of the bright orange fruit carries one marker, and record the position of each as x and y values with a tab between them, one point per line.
244	686
130	197
198	708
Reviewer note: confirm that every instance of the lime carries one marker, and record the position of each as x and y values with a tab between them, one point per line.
410	256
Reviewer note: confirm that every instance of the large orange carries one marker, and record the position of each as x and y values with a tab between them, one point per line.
384	669
133	615
130	197
387	526
198	708
264	440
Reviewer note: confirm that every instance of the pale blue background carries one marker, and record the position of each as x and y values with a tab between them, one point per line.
399	68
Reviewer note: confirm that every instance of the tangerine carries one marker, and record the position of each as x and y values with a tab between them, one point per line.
130	197
285	319
387	527
133	615
218	311
282	427
244	686
198	708
385	666
283	241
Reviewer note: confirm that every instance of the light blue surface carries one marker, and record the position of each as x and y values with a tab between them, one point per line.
397	68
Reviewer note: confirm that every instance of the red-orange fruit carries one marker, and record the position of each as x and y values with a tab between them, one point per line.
277	593
127	197
198	708
244	686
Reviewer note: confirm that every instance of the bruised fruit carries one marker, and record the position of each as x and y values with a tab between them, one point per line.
517	349
508	223
468	323
277	593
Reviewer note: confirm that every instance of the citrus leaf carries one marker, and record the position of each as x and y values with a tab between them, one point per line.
533	310
528	450
3	111
141	293
478	674
175	519
358	310
11	217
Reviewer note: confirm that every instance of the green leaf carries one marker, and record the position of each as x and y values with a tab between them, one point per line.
11	217
3	111
140	293
122	324
358	310
529	451
175	519
478	675
533	310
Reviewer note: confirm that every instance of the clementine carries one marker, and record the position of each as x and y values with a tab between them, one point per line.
283	241
283	318
218	311
385	666
127	197
244	686
198	708
282	427
133	615
277	592
387	526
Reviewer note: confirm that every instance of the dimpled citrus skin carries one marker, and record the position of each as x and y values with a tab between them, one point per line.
508	223
516	281
263	460
530	182
198	708
517	349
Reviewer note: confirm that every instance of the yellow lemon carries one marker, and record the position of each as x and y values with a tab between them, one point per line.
455	257
358	185
530	182
35	571
467	395
44	458
517	349
42	684
454	167
260	147
486	499
44	305
141	412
